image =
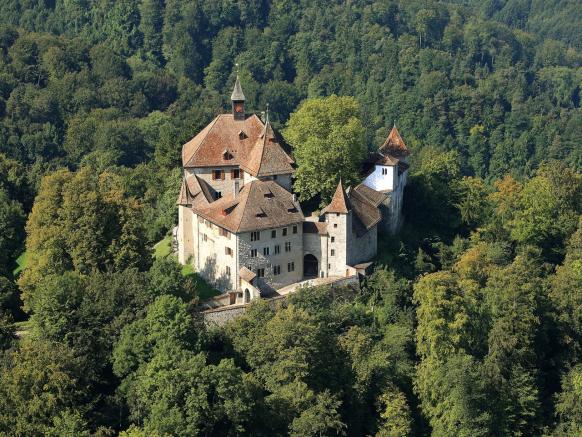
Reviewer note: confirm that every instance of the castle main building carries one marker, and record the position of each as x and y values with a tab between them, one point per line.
243	229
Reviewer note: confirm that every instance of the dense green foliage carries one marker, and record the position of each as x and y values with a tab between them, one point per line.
472	323
328	143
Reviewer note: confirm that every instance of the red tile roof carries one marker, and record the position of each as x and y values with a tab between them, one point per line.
267	157
259	205
339	202
247	143
394	145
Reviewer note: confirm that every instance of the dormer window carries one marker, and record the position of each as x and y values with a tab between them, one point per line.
242	135
269	195
226	155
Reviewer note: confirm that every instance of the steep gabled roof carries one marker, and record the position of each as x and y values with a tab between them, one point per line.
267	156
394	145
259	205
366	214
310	227
185	198
237	92
249	144
194	192
339	202
372	196
223	133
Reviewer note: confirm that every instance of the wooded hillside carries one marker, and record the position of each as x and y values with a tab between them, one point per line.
471	324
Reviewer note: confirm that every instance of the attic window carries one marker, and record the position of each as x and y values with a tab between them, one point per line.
261	214
269	195
226	155
292	209
242	135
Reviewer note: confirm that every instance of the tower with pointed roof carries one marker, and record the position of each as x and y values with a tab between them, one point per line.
339	221
387	171
238	101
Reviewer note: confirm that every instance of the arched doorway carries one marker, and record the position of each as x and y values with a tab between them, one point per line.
247	295
310	266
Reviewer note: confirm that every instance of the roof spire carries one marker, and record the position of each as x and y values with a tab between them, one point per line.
340	202
237	92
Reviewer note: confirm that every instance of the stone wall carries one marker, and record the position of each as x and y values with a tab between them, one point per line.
268	262
221	316
365	248
185	246
212	259
316	245
339	228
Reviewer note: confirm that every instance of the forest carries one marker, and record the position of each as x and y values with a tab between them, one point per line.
471	323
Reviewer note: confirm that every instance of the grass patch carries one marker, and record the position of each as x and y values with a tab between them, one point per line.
163	248
20	264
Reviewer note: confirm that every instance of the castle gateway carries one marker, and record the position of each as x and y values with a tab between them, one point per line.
243	230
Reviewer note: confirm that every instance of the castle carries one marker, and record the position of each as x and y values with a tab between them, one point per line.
243	229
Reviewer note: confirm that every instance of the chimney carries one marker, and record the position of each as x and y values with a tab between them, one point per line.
294	198
236	188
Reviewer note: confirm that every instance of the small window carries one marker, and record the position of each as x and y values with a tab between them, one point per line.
224	233
235	174
288	246
284	232
253	253
333	239
217	195
204	237
228	251
277	249
217	174
227	270
291	267
261	273
265	251
276	270
337	214
226	155
335	225
273	233
294	229
329	266
255	236
332	252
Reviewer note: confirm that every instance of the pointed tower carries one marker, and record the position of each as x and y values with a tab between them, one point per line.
388	172
340	204
238	101
338	217
394	146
